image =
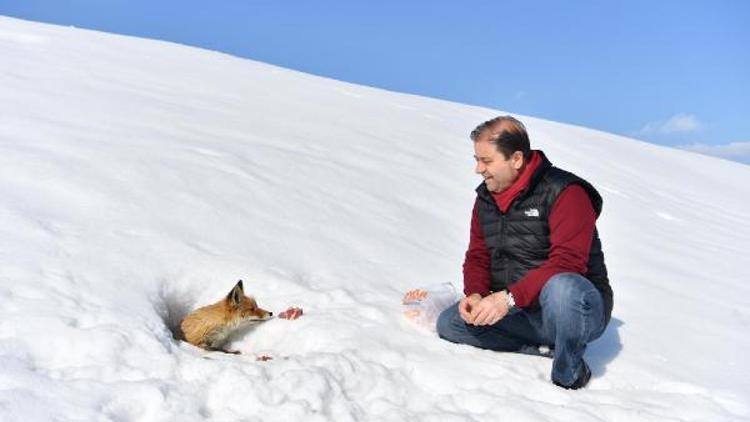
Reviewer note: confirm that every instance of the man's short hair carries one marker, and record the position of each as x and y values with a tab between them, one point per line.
507	133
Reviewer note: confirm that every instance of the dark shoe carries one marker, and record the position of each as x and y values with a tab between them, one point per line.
581	382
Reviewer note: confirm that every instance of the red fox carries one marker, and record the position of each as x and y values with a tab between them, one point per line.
209	327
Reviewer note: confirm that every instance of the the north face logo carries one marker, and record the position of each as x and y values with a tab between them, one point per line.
532	212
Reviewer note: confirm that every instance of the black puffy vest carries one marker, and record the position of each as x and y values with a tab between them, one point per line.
518	241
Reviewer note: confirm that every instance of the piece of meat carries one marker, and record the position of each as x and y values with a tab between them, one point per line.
291	313
415	295
412	313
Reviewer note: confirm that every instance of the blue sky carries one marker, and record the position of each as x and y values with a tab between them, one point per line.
670	72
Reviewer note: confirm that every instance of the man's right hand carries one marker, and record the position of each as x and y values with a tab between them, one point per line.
466	305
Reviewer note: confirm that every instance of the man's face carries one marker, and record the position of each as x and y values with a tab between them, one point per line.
498	172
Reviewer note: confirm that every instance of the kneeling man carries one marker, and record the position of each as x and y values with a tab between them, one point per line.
534	273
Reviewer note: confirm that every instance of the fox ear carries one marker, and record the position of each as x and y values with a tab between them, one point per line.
235	296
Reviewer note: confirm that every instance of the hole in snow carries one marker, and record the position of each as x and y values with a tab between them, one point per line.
174	306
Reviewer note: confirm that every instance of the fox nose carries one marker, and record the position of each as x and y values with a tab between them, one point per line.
270	313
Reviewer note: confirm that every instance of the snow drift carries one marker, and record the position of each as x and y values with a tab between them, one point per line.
141	179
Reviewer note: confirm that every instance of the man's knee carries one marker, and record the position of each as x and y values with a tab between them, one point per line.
569	300
564	290
446	323
569	294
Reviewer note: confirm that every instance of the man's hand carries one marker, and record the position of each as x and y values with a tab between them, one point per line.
466	305
490	309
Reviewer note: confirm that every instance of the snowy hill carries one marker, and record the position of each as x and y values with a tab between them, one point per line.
141	179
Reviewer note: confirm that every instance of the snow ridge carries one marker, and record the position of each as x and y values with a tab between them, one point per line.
141	179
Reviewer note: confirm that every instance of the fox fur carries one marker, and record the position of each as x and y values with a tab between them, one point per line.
211	326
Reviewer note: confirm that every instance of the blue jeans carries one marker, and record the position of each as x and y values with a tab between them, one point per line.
571	314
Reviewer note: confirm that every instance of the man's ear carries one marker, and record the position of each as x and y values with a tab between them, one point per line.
235	296
518	160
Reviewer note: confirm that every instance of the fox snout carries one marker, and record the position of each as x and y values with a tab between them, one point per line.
256	314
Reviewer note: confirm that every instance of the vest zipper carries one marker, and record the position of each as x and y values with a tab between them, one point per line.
506	270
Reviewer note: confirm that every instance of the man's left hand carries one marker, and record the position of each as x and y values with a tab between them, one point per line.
490	309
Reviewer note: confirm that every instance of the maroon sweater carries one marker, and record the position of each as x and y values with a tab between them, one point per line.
571	223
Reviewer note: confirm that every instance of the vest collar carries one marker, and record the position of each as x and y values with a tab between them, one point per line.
534	180
544	165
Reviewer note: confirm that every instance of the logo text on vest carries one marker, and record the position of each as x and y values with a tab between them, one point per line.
532	212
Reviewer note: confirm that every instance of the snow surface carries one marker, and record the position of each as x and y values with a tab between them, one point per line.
140	179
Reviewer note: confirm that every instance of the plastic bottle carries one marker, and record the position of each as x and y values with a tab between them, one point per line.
424	305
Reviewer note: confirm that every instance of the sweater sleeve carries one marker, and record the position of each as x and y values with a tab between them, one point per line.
571	223
477	260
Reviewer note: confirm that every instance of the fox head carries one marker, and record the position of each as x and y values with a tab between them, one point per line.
244	307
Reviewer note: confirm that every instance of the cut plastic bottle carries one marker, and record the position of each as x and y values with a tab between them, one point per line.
423	305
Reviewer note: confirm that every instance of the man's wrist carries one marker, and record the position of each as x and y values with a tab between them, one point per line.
509	299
